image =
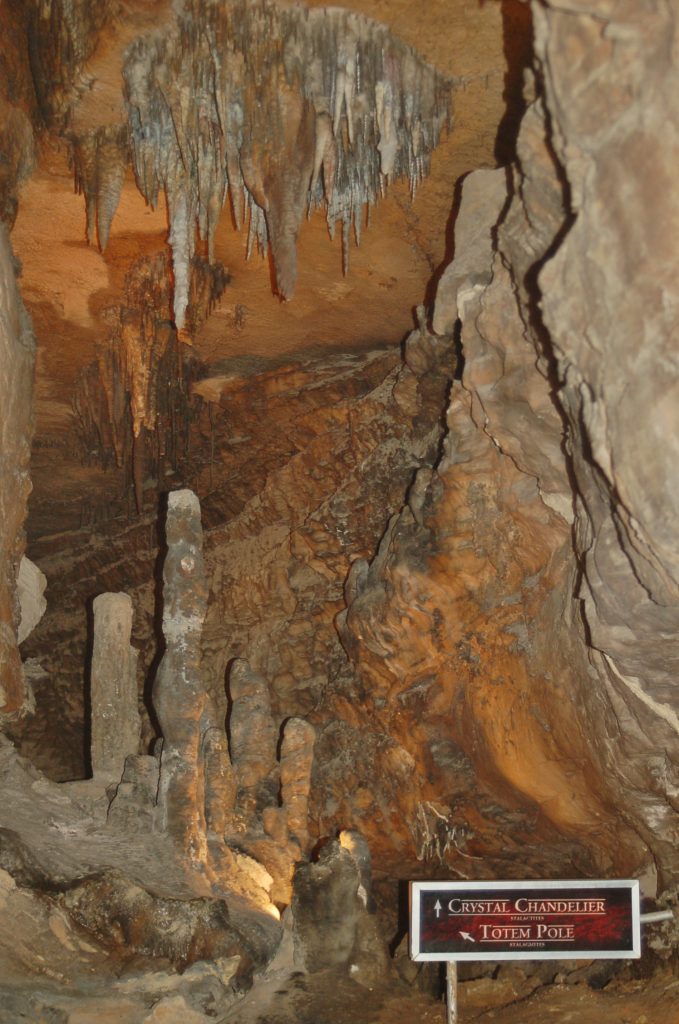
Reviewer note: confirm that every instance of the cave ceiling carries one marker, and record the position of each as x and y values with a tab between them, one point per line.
79	296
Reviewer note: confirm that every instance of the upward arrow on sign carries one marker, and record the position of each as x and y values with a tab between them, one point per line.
438	908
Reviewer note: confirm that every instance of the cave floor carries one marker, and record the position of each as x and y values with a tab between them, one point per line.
327	998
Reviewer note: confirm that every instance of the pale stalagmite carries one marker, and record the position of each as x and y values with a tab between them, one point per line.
116	725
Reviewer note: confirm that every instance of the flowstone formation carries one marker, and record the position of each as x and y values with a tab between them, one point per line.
272	110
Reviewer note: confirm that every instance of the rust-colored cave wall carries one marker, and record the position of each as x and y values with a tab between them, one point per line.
17	358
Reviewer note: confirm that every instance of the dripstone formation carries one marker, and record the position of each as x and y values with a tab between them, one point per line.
271	110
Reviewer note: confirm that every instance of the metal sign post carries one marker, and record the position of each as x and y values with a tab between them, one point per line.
560	920
451	991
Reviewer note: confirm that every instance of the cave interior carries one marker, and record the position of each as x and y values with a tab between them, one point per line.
329	559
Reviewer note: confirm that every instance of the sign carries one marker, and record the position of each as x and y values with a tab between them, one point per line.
524	920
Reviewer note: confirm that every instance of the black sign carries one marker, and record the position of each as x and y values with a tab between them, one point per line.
524	920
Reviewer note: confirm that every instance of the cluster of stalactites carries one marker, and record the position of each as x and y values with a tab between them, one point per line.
100	159
277	109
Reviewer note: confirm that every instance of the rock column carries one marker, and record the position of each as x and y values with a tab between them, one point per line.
185	711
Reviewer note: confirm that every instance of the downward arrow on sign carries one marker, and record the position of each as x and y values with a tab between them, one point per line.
467	937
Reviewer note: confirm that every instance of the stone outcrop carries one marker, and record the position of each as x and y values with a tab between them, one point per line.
610	305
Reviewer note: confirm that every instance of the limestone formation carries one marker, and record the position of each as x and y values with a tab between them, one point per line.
272	804
333	926
17	358
252	738
436	611
257	99
115	723
515	606
275	109
297	755
31	585
184	710
133	405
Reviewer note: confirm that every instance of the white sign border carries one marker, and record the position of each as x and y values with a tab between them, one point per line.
533	954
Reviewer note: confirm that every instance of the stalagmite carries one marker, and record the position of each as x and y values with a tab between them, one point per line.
297	754
179	696
116	725
220	782
252	737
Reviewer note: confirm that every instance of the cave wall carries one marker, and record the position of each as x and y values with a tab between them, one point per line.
527	605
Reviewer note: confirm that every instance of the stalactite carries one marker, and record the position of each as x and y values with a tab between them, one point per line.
248	96
244	99
100	159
